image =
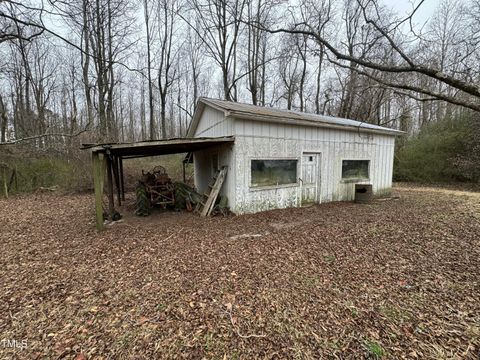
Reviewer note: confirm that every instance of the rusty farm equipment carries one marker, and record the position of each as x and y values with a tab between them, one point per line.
154	189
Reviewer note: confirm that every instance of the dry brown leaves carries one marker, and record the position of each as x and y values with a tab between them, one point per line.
339	280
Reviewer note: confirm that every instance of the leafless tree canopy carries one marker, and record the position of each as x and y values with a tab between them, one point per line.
125	70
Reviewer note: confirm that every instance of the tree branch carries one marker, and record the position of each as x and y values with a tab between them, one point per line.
307	30
28	138
434	94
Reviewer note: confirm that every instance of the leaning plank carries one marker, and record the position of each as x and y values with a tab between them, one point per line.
210	203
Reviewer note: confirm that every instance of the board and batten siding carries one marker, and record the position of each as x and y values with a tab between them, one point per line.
258	140
213	123
267	140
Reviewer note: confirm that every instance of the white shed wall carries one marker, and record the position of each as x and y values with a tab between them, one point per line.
262	140
203	170
254	139
214	123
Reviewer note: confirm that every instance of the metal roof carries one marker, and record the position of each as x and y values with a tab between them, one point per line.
159	147
269	114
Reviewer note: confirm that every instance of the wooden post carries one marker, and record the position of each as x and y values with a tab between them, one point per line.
111	202
122	182
184	175
16	179
117	179
12	177
98	173
5	182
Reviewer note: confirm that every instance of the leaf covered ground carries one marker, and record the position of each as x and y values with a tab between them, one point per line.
392	279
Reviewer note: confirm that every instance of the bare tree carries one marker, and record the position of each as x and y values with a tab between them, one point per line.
167	11
257	13
302	48
289	71
109	26
3	120
146	11
194	54
85	60
221	22
320	12
406	63
20	21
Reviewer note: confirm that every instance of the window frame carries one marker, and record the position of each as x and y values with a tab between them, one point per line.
348	180
269	187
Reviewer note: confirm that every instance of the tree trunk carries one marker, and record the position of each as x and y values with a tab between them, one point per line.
85	59
153	131
3	120
319	82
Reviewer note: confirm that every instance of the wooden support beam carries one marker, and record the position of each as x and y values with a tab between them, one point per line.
122	180
98	174
116	174
13	178
5	182
184	175
111	202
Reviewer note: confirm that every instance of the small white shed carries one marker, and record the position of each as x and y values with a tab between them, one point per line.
283	158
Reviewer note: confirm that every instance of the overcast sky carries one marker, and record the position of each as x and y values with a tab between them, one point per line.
401	7
404	7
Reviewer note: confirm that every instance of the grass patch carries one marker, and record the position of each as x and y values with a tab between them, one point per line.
394	314
374	349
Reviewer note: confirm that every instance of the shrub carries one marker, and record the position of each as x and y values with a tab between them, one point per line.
441	152
34	173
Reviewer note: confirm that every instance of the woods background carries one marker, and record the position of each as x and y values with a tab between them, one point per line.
74	72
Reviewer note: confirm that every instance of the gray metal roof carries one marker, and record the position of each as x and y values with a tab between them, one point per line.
261	113
159	147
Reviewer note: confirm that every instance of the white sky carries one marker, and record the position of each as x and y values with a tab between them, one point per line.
404	7
401	7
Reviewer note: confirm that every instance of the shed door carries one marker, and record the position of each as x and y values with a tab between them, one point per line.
310	178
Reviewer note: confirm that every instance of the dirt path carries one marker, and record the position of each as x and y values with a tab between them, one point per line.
399	278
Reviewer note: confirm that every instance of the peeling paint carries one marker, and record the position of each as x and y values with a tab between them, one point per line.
254	139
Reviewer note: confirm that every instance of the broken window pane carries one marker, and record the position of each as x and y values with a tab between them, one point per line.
355	169
273	172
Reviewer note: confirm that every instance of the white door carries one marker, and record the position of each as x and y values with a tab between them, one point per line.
310	179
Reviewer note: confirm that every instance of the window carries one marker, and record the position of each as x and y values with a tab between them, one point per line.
273	172
355	169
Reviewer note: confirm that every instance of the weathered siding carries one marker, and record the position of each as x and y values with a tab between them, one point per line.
262	140
213	123
267	140
203	170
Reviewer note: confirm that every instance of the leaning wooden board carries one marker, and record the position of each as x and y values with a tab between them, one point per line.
212	198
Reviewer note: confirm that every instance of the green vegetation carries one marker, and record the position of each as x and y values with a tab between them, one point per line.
374	349
28	172
441	152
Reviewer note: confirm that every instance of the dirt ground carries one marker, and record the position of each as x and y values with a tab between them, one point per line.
392	279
